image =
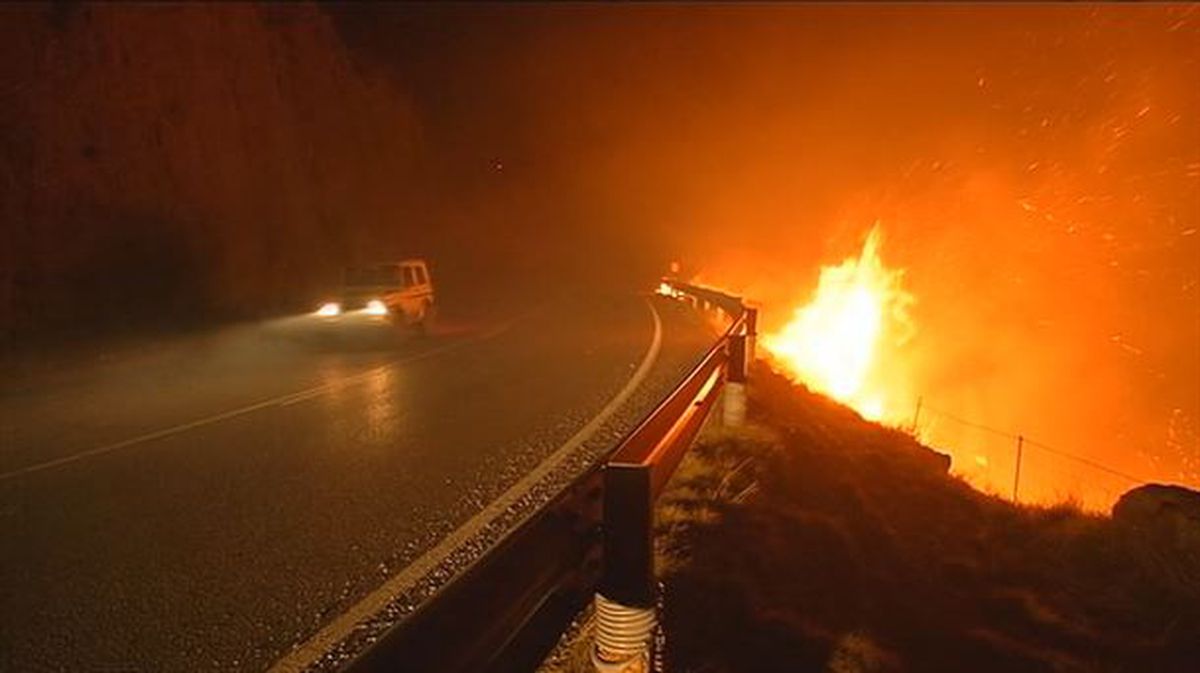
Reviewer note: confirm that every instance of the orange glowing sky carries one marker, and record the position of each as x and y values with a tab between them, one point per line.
1042	196
1035	170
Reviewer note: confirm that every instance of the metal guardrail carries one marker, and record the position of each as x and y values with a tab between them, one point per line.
505	612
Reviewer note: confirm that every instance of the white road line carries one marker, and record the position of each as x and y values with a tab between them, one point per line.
281	400
311	650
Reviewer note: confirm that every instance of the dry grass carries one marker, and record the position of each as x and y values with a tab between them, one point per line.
815	541
811	540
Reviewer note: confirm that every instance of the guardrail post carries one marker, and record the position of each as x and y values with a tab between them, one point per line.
733	396
738	358
733	404
625	603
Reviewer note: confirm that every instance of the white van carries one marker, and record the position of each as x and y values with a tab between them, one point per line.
401	291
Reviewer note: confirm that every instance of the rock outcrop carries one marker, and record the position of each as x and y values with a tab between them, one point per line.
1170	511
1164	520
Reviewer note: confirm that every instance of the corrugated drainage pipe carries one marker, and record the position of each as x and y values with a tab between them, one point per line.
623	636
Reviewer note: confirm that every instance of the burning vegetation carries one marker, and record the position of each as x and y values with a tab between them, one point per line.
847	341
841	340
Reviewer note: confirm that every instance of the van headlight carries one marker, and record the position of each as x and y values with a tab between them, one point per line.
376	307
329	309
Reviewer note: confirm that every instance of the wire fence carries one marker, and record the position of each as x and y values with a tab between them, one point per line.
1002	461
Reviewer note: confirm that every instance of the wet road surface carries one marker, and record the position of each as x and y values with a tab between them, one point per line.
211	503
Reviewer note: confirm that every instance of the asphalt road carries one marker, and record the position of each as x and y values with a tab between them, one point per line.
214	501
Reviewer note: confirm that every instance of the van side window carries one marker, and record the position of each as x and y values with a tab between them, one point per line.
409	279
421	275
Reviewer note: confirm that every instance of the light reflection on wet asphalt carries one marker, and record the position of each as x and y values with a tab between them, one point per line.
230	540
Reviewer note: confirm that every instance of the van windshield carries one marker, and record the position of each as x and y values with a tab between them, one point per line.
372	275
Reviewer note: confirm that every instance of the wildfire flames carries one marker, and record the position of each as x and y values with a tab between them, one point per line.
834	342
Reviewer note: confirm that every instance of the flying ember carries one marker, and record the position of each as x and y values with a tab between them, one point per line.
834	342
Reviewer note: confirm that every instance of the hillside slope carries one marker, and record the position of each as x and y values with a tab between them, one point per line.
173	160
813	540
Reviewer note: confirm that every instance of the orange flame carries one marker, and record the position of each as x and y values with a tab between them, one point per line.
833	343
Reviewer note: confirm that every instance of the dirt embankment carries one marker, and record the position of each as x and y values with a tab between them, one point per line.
813	540
165	161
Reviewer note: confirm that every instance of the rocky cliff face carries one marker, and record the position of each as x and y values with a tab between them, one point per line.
191	159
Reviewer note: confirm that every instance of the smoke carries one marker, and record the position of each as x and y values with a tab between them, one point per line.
1035	170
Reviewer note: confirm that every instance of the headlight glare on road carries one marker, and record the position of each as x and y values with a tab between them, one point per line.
376	307
329	309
